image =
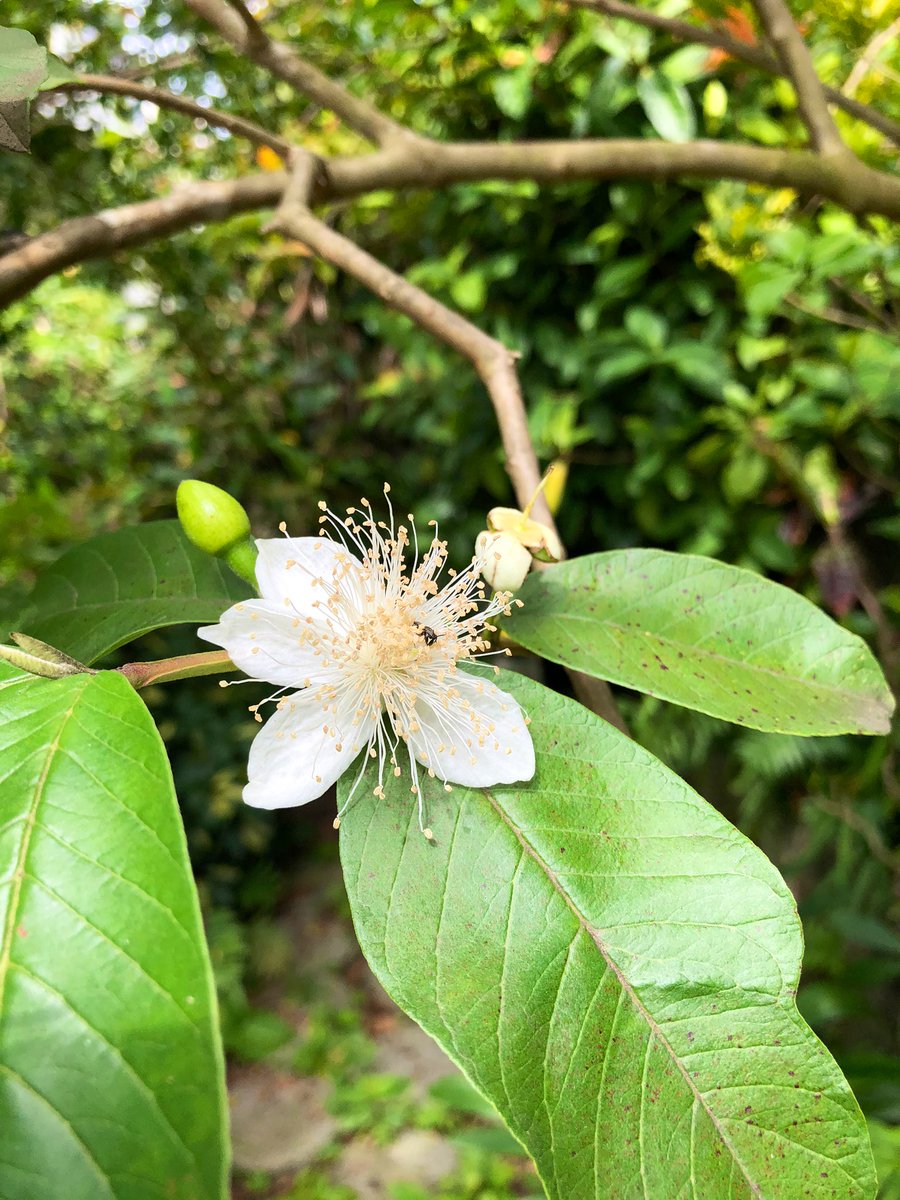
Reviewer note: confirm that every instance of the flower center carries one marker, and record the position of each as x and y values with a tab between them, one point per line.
390	640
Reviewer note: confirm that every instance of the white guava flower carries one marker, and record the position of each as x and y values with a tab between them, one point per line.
365	643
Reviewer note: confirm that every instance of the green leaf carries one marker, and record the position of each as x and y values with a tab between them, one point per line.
57	73
111	1074
706	368
257	1033
614	967
622	364
512	91
765	285
886	1148
120	585
469	290
646	327
744	475
687	64
457	1093
23	64
712	637
668	107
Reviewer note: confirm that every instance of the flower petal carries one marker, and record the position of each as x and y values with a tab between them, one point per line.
266	641
476	736
293	760
300	572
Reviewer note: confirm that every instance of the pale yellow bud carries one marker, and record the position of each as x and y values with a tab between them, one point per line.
505	561
542	541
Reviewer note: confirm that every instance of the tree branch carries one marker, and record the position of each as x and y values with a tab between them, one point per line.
490	358
495	364
848	182
752	54
365	118
104	233
139	91
797	62
255	33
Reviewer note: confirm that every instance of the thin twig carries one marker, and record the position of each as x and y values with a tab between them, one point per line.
172	62
794	56
863	301
281	60
751	53
861	67
836	315
140	91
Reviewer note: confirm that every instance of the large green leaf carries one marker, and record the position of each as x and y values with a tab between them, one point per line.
111	1080
120	585
614	966
706	635
23	64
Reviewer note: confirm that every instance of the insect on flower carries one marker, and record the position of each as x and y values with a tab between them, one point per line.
364	644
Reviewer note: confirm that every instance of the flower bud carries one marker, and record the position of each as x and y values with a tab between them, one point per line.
218	524
211	518
542	541
504	560
38	658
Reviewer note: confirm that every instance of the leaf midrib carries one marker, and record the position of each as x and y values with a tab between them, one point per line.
695	651
594	935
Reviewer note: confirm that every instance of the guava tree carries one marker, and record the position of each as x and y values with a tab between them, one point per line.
610	962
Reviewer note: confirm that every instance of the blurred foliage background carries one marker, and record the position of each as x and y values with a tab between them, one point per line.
716	365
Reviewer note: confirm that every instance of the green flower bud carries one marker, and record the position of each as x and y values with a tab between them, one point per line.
211	518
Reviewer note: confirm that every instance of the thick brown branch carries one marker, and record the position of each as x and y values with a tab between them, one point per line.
751	53
359	114
139	91
847	182
792	52
104	233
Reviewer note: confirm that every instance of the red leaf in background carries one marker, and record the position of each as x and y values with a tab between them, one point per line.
737	24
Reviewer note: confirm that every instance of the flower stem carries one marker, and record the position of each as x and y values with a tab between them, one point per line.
186	666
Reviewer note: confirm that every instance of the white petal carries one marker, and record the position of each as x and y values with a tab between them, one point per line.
293	760
300	571
478	738
264	640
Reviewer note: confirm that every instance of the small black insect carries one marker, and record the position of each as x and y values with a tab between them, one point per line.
427	634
